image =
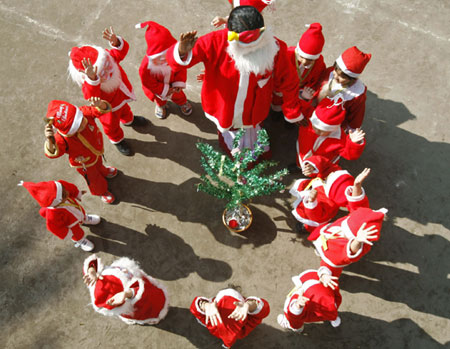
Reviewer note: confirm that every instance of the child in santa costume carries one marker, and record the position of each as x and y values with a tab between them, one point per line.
348	239
229	316
318	201
314	298
260	5
341	84
308	60
124	290
77	135
99	74
323	142
62	211
243	64
159	82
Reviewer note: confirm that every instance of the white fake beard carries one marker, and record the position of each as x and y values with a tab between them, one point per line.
108	86
113	82
162	69
257	57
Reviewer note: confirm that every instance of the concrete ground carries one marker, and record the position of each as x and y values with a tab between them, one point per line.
396	297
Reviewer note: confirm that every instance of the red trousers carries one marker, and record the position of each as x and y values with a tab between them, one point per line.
179	98
111	123
95	177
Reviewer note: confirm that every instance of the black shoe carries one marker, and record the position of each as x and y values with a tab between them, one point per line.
294	169
124	148
300	228
139	121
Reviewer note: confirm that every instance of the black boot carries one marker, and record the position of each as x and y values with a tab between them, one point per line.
300	228
139	121
123	147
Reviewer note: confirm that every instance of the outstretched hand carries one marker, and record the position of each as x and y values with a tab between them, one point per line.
307	93
357	136
364	234
219	21
117	299
362	177
329	281
89	69
91	277
307	169
187	42
109	35
240	312
301	301
212	314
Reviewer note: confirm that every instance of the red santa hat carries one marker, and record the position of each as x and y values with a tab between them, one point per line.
362	215
66	117
258	4
47	194
158	38
328	116
95	54
352	61
311	43
105	288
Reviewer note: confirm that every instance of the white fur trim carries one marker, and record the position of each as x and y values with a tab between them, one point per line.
350	198
299	51
90	259
298	118
343	67
92	82
76	122
334	134
318	245
331	179
382	210
259	305
156	55
163	95
313	165
230	293
305	220
240	100
179	84
324	271
120	47
177	57
317	123
349	93
294	189
197	306
125	101
58	198
349	251
294	309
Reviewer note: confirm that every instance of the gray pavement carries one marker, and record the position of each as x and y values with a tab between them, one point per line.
398	296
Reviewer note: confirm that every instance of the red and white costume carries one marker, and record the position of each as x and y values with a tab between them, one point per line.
149	304
323	301
353	98
63	219
232	99
332	241
260	5
118	95
231	330
156	82
324	152
309	46
85	147
333	193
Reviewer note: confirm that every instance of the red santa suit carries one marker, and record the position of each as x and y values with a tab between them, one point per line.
353	98
310	47
156	82
324	152
333	193
332	241
323	301
85	147
231	330
112	84
149	303
232	99
63	219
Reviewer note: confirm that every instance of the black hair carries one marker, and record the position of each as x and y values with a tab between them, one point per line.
347	76
244	18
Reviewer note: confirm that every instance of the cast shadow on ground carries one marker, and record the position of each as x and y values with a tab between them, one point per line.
161	254
188	205
356	331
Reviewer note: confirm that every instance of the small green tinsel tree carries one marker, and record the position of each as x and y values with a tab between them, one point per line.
230	179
